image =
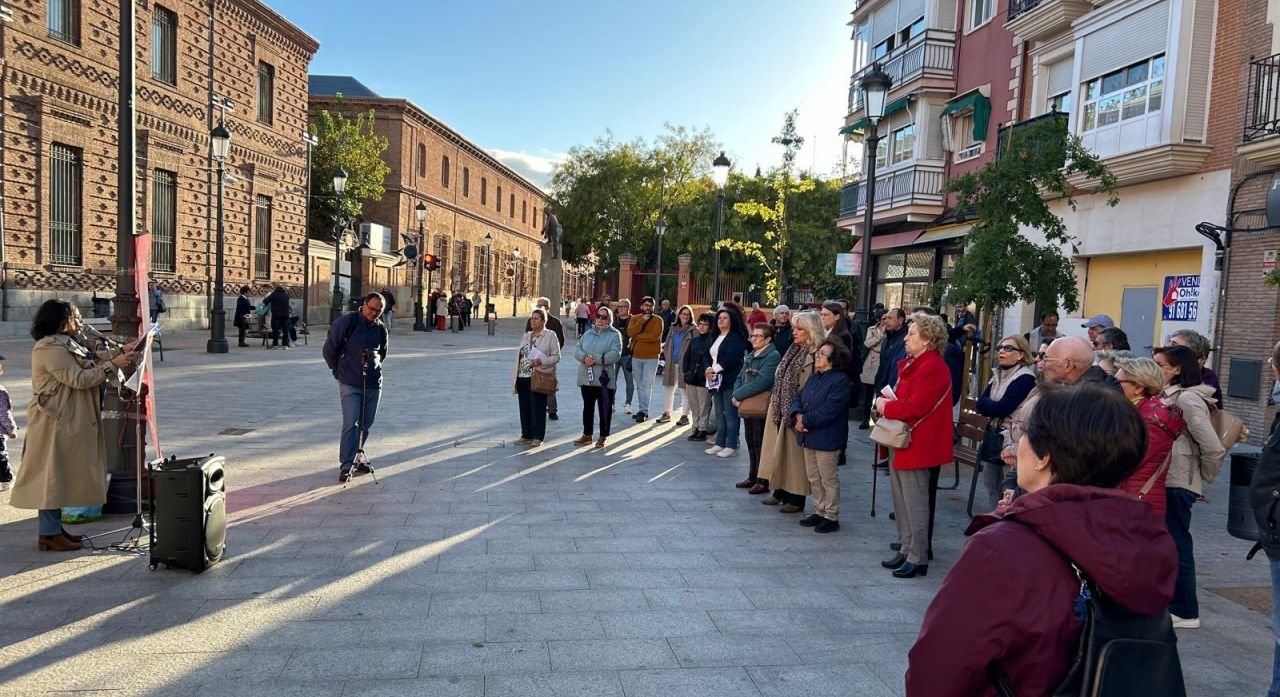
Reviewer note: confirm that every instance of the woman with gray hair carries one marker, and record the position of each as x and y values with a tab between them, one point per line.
1199	345
1108	360
781	456
1142	381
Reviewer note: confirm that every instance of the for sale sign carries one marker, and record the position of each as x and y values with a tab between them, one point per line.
1181	298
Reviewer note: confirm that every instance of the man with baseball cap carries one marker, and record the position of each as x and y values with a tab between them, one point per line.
1096	324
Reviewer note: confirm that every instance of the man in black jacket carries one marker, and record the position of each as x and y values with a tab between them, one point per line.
892	349
1265	498
244	311
354	351
279	301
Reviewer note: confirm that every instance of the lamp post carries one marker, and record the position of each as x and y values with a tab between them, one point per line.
311	140
662	230
220	137
339	187
720	175
515	280
420	211
875	87
488	270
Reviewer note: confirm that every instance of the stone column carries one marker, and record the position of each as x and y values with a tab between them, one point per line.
626	267
683	289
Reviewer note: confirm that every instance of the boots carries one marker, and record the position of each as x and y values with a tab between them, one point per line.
56	543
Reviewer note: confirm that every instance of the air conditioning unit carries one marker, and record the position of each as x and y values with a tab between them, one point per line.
970	152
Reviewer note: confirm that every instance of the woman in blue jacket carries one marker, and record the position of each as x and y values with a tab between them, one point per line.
821	416
597	353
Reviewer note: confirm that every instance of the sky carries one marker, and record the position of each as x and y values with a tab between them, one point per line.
529	80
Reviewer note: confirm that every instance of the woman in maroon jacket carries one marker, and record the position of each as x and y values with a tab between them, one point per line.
921	399
1007	607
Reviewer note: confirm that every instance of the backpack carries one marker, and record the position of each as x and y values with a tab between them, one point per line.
1120	654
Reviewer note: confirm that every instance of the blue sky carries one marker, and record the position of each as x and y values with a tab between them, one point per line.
528	80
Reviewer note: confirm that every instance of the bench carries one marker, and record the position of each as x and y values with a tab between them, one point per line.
971	428
262	329
103	324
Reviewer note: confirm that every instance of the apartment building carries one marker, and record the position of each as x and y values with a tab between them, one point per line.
952	65
1134	79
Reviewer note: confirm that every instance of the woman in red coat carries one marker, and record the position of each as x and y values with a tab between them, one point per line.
1143	382
1008	605
922	400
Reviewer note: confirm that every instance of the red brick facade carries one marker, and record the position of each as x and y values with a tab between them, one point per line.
65	92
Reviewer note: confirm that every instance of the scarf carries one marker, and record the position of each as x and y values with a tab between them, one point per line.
1003	377
786	383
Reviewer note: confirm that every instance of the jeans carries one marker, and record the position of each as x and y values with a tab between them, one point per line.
993	479
1177	515
1274	691
644	370
624	367
353	431
49	521
582	326
533	410
279	325
593	399
726	419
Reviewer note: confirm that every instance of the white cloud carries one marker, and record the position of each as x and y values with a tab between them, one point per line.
535	168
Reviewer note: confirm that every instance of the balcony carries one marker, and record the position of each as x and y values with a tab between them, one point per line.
912	193
1036	20
1262	113
927	60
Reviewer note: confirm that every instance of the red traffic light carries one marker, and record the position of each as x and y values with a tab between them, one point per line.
430	262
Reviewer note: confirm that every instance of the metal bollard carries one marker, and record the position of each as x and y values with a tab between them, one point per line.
453	324
490	321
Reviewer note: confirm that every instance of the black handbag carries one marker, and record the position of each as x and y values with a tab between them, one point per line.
992	445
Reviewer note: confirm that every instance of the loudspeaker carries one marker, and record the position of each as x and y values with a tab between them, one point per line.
189	512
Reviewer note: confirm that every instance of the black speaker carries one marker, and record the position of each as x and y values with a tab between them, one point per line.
189	512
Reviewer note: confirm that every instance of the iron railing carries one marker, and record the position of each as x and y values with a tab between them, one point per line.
262	239
1017	8
919	184
932	52
65	239
1005	133
1262	117
164	220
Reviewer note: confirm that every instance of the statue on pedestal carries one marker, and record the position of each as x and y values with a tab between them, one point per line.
551	234
551	268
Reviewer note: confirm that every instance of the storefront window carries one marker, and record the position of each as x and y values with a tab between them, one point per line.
903	279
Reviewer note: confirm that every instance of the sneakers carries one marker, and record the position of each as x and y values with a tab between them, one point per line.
535	443
684	421
585	440
626	409
523	441
665	418
712	450
641	416
1185	622
6	476
726	452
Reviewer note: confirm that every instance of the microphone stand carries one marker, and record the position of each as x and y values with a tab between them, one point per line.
133	534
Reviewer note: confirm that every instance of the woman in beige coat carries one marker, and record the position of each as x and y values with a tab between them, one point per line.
64	455
544	347
781	457
871	366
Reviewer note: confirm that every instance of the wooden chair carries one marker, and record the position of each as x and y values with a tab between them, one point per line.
971	428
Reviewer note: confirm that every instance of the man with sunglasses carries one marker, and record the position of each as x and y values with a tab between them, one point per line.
354	351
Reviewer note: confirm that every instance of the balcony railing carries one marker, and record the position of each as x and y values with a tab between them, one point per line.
921	184
930	52
1262	117
1012	130
1018	8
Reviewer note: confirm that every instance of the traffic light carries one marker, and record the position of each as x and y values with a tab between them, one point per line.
430	262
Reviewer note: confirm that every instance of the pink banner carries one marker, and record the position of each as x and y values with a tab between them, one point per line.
141	270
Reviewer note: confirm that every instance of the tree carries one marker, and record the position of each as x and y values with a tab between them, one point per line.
352	144
1034	165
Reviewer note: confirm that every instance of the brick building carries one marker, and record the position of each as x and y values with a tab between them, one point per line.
1250	321
468	193
60	90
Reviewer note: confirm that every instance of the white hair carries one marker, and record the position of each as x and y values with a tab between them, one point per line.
781	308
543	300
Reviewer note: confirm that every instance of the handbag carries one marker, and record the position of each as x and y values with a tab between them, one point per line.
992	445
893	433
544	382
756	406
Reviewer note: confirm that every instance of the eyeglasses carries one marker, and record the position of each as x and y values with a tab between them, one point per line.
757	336
602	316
825	356
1006	348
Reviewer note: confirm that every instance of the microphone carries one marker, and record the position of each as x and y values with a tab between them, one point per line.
99	335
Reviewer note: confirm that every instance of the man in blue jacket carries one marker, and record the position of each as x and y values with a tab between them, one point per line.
354	351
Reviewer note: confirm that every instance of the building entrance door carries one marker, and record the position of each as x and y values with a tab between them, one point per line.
1138	318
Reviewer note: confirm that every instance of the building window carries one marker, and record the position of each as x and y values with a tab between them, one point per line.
524	211
914	29
512	206
1059	102
535	217
461	254
164	220
164	45
262	238
966	147
980	12
499	202
422	160
484	191
65	176
64	20
266	93
444	171
882	152
442	256
1124	94
466	182
904	143
883	48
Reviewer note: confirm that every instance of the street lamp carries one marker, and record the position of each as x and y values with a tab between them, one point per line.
488	271
220	139
875	87
515	280
662	230
720	175
339	187
420	211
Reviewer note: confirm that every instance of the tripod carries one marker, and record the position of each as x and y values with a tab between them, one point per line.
360	463
141	526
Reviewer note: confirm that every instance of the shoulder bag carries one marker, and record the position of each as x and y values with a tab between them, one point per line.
541	381
893	433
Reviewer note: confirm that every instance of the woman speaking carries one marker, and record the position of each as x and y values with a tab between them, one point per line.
64	456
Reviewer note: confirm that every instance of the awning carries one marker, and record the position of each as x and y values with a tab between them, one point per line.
981	111
945	232
897	105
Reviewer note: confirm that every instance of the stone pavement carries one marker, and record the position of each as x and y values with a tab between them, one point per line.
477	568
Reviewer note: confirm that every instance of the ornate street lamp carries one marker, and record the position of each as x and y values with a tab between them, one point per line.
488	271
661	228
220	138
515	280
875	86
420	211
339	187
720	175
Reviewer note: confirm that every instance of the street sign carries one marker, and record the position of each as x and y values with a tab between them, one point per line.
510	272
1181	298
848	264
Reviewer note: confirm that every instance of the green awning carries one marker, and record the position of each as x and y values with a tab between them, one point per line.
861	124
981	111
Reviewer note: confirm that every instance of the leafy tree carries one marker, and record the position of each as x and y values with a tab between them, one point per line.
1036	164
349	142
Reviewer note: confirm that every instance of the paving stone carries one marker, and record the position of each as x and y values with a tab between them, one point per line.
654	625
697	599
597	684
538	627
538	581
850	680
453	686
484	658
611	654
709	682
484	603
716	652
639	579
